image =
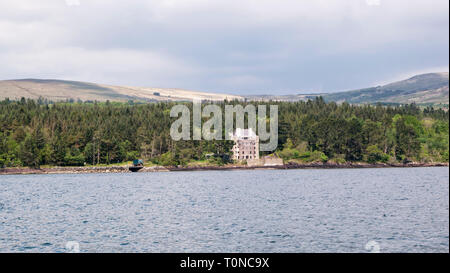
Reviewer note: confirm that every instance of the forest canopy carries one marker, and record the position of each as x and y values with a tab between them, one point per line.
35	133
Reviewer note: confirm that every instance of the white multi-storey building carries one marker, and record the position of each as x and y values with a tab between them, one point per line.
246	144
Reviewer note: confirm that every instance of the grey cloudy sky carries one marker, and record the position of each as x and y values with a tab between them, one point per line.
232	46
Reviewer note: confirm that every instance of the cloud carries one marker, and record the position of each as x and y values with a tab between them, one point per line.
373	2
72	2
245	46
107	66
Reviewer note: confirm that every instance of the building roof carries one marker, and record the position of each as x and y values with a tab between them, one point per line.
240	133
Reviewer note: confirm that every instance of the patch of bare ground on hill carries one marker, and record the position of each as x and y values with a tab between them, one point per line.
62	90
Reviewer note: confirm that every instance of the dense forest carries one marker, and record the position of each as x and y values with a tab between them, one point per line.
36	133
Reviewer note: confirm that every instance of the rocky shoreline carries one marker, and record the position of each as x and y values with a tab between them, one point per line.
289	165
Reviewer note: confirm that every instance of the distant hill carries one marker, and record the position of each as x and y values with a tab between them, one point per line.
431	88
61	90
298	97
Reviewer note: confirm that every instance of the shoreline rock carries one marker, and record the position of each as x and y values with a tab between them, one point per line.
289	165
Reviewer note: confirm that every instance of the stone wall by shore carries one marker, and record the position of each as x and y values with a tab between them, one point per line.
265	161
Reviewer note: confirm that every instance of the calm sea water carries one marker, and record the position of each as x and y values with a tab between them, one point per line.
402	210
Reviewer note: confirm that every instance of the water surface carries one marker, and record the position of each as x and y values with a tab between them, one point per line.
402	209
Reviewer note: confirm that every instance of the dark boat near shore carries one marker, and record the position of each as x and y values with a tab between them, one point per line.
135	169
137	165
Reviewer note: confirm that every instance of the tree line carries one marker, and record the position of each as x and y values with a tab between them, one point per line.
35	133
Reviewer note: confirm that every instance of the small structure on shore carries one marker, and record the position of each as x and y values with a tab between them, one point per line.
246	144
267	161
137	165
